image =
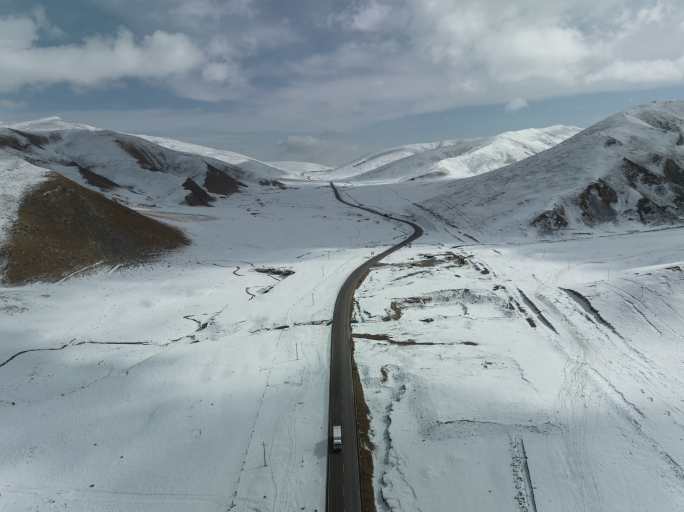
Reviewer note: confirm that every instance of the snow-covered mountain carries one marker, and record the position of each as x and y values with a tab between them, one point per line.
627	170
452	158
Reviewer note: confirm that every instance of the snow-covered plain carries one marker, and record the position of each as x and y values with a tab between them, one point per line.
175	386
492	361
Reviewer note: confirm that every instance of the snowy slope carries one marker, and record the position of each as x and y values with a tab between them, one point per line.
546	376
16	177
452	159
262	169
624	171
50	124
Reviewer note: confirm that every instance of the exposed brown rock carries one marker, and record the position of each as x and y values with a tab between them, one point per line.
219	182
551	221
596	202
637	174
96	180
197	196
651	213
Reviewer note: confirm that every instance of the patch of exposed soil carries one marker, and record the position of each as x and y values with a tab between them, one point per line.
63	227
404	343
197	196
145	158
219	182
96	180
442	258
430	260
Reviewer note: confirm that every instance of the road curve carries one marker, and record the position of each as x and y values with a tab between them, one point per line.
343	487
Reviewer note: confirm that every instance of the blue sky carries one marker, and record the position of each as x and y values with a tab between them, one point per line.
327	80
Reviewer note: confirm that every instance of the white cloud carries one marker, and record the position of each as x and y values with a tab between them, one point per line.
94	61
406	56
381	59
640	72
370	17
516	104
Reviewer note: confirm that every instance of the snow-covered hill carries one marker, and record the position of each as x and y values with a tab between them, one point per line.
48	124
246	163
135	170
626	171
51	124
452	158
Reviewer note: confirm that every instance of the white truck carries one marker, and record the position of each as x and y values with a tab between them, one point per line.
337	438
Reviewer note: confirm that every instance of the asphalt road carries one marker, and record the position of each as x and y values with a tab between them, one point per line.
343	489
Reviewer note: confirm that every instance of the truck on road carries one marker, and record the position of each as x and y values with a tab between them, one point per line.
337	438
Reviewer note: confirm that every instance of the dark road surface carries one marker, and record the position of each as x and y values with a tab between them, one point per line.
343	489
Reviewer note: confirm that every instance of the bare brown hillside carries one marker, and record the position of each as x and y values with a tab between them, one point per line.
63	227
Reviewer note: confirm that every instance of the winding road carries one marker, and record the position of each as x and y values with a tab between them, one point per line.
343	485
